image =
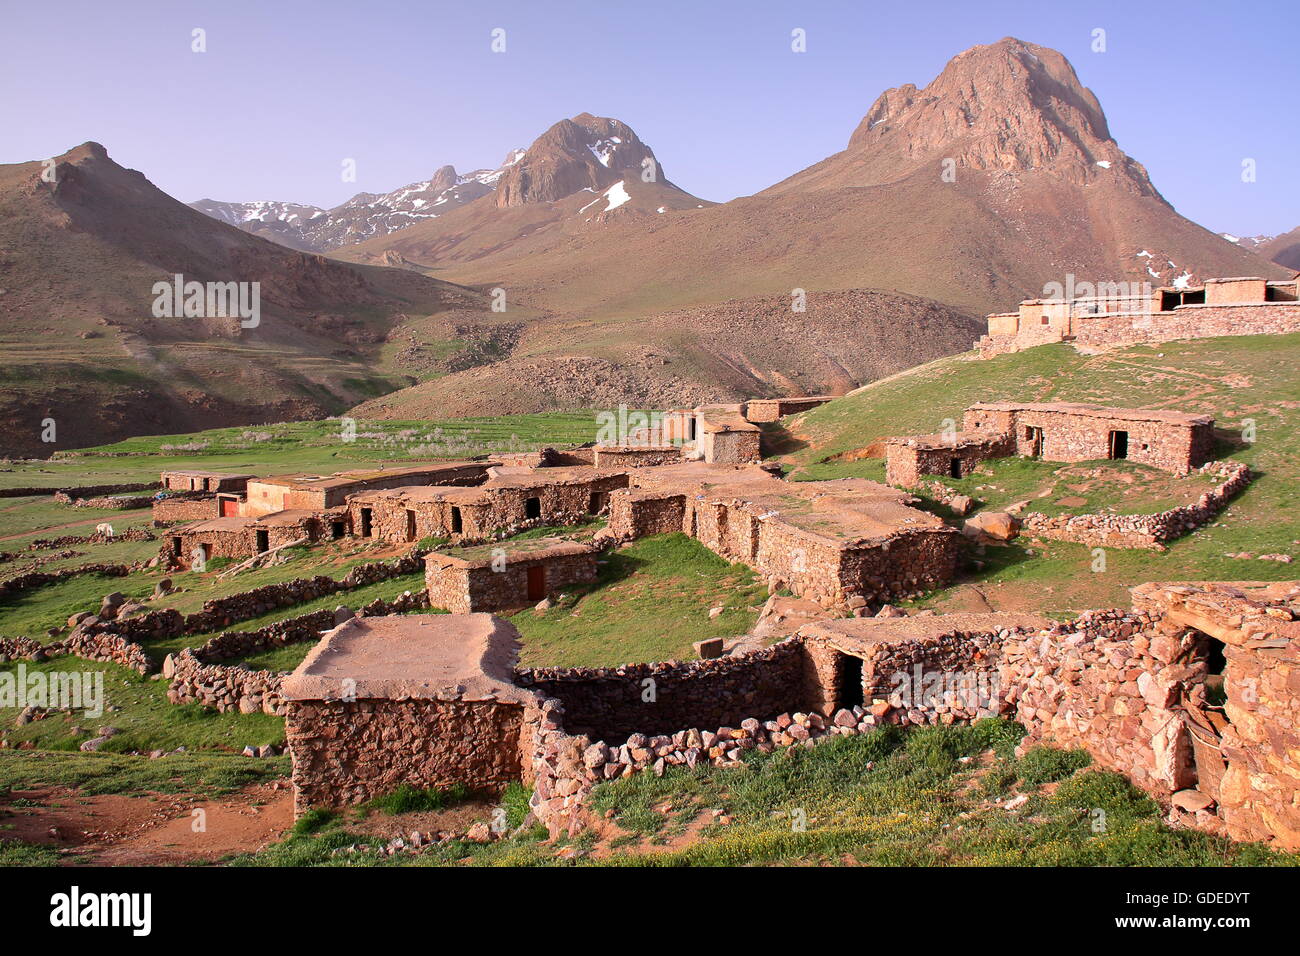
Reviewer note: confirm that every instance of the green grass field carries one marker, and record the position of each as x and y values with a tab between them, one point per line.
286	447
650	602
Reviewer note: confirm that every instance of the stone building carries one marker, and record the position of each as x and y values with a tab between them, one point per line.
907	459
245	537
211	481
1069	431
1118	314
773	409
506	577
426	700
844	544
508	498
725	437
1060	431
319	492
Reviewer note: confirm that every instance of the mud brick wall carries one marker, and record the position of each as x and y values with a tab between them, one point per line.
1144	531
1109	683
636	514
607	703
349	752
188	507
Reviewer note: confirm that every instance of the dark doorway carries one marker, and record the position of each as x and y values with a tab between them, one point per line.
366	529
532	507
176	545
336	529
848	674
263	541
230	507
1034	438
536	582
455	520
597	502
410	525
954	468
1118	445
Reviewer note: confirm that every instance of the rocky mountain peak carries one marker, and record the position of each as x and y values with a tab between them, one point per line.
585	152
1007	106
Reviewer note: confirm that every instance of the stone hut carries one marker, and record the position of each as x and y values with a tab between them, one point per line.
319	492
953	456
509	498
210	481
1119	313
725	437
772	409
941	660
845	544
243	537
426	700
1069	431
507	577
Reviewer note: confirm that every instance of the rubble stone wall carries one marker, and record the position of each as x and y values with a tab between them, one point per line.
1068	436
191	506
906	462
1143	531
612	703
349	752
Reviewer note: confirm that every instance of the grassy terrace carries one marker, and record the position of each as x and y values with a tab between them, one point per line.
927	796
1243	381
650	602
287	447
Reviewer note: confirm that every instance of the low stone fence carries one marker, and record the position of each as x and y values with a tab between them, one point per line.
90	646
1143	531
615	702
71	493
33	579
198	676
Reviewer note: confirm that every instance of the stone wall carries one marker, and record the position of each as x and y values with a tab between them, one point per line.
31	579
463	589
349	752
188	506
611	703
1143	531
1246	754
638	514
1068	435
1183	322
619	456
907	459
198	676
1108	683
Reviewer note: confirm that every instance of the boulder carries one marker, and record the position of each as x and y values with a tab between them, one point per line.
998	525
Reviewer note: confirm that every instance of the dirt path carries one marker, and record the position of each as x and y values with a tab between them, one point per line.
150	829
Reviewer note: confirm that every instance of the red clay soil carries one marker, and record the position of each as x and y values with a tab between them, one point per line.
152	829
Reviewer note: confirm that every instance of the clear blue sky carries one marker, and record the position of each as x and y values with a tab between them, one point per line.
288	89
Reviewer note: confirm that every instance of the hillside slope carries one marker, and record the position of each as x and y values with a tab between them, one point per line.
80	253
739	349
1238	380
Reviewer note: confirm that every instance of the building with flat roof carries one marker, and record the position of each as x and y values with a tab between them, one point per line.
506	576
